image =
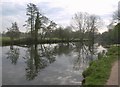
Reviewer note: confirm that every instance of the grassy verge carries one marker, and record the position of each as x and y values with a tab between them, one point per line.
99	70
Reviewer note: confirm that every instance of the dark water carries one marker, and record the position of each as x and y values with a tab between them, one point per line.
47	64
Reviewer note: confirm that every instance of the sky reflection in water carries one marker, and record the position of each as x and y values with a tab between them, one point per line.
47	64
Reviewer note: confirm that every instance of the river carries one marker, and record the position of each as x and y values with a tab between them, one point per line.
47	64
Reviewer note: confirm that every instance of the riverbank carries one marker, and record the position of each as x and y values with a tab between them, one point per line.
99	70
28	41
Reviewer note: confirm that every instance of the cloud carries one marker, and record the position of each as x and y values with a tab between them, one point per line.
47	9
11	19
11	9
12	12
60	11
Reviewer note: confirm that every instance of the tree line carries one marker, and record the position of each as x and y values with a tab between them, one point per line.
84	26
112	35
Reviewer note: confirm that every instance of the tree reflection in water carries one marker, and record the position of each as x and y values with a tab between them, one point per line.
63	48
13	55
38	59
39	56
84	54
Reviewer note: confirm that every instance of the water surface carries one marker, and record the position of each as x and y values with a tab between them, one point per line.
47	64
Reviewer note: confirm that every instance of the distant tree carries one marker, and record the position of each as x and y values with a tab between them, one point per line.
48	28
117	33
68	33
3	34
83	22
59	33
13	32
114	34
79	23
116	15
93	23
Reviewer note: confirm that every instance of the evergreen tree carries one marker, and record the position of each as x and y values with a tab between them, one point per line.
37	26
31	13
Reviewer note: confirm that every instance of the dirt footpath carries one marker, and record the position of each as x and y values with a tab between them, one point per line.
113	79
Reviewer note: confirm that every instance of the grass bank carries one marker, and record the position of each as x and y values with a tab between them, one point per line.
99	70
27	41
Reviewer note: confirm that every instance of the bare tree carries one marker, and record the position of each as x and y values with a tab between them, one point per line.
116	15
83	22
80	23
94	23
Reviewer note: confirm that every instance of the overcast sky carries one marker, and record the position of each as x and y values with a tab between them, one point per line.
60	11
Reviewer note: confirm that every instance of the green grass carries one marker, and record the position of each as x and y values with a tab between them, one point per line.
99	70
6	41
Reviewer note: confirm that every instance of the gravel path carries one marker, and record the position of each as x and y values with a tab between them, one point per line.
113	79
